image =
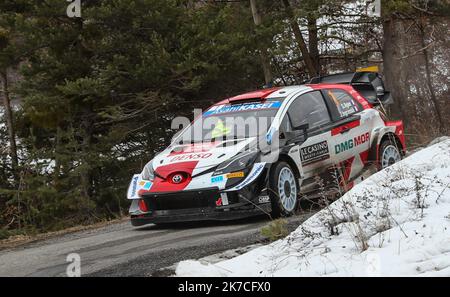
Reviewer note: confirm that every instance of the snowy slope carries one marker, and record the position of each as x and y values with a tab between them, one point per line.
395	223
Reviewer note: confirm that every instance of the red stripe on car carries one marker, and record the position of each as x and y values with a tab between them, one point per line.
340	129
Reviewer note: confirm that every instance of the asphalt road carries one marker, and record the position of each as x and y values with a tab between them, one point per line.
122	250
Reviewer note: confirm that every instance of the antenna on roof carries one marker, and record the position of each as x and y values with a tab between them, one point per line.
268	85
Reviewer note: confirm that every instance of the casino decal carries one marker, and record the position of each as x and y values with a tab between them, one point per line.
314	153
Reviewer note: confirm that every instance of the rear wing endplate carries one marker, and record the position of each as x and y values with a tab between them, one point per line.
367	81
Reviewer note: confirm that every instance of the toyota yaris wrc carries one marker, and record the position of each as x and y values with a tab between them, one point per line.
260	151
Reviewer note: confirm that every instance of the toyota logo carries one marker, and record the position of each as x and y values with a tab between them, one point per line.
177	178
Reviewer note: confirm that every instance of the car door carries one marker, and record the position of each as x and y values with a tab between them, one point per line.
313	153
350	140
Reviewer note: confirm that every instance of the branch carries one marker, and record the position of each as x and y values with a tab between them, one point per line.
421	49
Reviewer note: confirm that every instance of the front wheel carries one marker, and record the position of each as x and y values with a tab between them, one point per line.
284	190
388	154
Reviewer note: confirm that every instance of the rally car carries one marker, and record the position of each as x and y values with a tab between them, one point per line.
260	151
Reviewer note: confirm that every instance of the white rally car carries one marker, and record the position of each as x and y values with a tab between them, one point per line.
260	151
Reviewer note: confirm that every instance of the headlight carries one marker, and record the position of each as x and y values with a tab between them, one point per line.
238	163
148	173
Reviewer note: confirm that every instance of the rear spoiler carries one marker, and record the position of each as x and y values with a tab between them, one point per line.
367	82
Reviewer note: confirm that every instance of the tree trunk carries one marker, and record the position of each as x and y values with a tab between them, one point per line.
9	122
300	40
429	80
313	42
265	61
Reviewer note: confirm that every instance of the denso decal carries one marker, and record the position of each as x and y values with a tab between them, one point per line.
314	153
349	144
194	148
191	157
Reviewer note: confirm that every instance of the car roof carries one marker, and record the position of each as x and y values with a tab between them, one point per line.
278	92
286	91
269	93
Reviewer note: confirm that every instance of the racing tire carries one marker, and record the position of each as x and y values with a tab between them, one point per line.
388	154
284	189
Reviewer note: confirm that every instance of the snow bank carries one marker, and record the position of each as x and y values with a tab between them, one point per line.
395	223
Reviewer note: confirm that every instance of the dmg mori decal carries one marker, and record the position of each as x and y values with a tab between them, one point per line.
314	153
351	143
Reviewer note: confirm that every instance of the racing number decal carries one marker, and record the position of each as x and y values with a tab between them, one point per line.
314	153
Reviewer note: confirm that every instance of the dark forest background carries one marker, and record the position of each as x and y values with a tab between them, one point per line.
88	101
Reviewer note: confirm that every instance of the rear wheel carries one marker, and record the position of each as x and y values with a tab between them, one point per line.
388	154
284	190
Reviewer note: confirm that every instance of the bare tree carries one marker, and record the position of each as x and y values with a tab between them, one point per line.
415	54
300	40
313	42
265	61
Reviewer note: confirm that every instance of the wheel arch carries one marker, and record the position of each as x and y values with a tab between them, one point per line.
286	158
381	136
396	139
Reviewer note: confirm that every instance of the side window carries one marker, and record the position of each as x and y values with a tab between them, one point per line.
345	104
309	109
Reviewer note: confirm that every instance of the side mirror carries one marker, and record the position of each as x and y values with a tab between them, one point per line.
304	128
301	130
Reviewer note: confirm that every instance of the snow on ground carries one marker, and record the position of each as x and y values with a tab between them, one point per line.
395	223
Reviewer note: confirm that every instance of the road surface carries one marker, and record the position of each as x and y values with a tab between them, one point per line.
122	250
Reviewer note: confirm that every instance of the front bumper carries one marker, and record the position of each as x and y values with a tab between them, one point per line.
200	205
195	214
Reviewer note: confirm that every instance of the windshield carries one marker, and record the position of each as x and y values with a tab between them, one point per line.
232	121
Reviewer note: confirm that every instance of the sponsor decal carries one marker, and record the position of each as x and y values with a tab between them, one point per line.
257	168
347	108
235	174
216	179
351	143
314	153
344	103
147	185
194	148
191	157
219	109
263	199
141	183
134	185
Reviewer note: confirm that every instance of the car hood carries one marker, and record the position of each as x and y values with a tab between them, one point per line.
198	157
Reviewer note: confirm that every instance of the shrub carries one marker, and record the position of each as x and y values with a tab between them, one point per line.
275	230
